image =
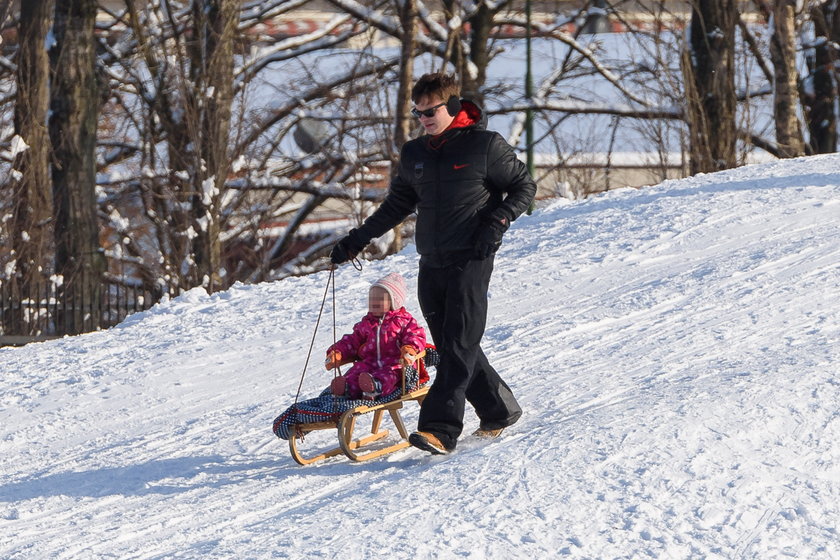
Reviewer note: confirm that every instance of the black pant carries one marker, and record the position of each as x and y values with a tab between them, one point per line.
454	303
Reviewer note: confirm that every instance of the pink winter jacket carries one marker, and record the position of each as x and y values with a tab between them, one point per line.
377	342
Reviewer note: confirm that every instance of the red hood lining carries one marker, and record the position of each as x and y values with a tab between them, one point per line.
467	116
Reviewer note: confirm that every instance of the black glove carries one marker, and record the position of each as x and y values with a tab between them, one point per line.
489	236
348	247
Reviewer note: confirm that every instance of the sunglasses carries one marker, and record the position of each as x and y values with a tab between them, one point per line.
430	112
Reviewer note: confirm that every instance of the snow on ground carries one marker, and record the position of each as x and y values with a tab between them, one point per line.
675	349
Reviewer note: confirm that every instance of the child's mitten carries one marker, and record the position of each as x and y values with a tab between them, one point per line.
409	354
333	359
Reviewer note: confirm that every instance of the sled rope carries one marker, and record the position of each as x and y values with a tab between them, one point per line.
337	371
330	280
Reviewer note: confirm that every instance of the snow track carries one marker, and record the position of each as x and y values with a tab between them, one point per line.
675	349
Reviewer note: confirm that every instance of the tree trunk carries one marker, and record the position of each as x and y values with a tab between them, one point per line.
819	105
166	207
786	100
176	240
480	26
404	120
407	10
31	243
211	60
472	66
708	70
74	101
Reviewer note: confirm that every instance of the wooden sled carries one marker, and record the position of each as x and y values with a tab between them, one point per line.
346	425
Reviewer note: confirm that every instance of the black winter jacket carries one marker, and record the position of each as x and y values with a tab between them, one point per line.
458	182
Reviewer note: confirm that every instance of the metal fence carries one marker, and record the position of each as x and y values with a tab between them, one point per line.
49	310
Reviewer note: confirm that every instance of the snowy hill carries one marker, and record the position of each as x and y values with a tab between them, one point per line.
676	350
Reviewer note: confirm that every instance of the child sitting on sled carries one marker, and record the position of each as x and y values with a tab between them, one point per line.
385	339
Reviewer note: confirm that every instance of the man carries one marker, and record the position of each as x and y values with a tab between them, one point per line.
466	185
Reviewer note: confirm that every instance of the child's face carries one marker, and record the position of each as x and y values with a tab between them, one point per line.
379	301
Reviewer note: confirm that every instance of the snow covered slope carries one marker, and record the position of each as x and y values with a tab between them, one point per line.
676	350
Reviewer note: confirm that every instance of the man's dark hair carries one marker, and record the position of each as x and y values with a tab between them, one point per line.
437	84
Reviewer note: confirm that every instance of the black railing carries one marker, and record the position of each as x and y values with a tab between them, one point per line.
49	309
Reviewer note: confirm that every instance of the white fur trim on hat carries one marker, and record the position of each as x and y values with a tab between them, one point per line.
394	284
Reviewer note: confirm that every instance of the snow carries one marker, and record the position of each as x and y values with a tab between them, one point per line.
18	146
675	350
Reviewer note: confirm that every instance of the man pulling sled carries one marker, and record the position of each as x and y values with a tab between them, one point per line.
466	185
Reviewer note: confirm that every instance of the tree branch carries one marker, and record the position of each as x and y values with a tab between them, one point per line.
586	108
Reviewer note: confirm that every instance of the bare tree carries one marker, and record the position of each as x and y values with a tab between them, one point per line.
819	99
187	104
407	10
163	94
31	194
211	73
74	103
470	49
708	67
786	82
203	180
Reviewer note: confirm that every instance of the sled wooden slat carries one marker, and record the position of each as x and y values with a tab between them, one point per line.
345	425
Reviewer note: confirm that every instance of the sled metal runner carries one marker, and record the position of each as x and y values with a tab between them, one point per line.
345	425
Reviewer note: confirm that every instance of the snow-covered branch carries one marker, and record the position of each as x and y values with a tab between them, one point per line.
317	91
258	11
591	108
391	24
338	190
298	46
553	31
8	64
438	31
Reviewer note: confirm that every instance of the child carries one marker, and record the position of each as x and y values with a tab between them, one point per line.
385	338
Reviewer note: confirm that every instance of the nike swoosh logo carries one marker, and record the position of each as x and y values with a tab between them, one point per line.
463	165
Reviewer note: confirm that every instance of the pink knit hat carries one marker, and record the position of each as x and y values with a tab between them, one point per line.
394	284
